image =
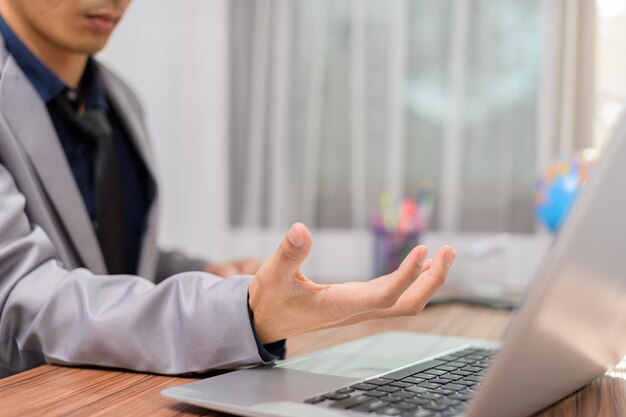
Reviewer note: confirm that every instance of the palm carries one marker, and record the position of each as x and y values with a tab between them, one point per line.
285	302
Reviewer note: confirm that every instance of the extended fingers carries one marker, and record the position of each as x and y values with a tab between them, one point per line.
412	301
442	263
383	292
342	301
413	264
436	273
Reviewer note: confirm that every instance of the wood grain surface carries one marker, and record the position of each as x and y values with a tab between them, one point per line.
63	391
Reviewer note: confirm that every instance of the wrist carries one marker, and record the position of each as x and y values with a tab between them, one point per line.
255	314
267	351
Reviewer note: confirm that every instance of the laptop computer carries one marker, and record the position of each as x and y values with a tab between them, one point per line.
570	329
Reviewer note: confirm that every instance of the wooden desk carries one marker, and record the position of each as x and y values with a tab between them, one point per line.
53	390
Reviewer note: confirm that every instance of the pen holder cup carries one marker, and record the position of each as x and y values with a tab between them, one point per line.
391	248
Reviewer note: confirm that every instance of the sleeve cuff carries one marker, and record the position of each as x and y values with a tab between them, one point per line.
271	351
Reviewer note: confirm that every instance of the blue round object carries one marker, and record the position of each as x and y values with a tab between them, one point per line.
560	196
558	187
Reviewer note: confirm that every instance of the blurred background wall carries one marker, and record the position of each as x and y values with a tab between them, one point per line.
175	56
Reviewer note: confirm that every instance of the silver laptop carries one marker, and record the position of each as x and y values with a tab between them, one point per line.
570	329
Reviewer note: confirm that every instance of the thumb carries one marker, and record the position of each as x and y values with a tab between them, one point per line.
294	248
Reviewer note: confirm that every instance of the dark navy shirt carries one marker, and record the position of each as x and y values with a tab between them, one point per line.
135	182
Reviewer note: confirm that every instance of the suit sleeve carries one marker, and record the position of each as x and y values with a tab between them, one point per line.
190	322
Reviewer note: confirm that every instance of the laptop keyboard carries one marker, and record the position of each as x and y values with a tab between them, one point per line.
436	388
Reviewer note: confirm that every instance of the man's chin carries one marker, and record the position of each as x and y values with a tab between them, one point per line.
91	48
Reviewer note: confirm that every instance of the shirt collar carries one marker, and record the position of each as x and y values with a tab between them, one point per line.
92	87
46	83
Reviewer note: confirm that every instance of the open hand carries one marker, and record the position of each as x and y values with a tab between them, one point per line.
284	302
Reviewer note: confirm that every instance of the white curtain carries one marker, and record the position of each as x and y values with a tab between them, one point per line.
566	94
337	101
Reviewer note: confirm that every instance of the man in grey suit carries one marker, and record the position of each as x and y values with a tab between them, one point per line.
81	278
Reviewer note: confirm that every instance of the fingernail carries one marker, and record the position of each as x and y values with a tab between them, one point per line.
295	238
421	257
450	257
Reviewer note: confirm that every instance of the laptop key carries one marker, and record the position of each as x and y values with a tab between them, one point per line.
435	371
375	393
368	407
440	381
414	369
404	394
461	396
406	406
429	385
467	390
447	401
392	398
435	407
460	372
417	389
477	357
466	383
413	380
351	401
418	400
450	377
447	368
442	391
454	387
388	388
421	413
378	381
315	400
400	384
457	364
363	386
423	375
389	411
336	396
429	396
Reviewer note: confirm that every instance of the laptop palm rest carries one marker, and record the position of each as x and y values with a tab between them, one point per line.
375	355
248	387
280	389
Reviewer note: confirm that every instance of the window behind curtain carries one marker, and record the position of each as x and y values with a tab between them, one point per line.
610	91
335	101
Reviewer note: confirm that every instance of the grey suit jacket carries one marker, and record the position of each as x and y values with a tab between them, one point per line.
57	303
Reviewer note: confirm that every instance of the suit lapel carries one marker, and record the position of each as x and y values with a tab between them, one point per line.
28	117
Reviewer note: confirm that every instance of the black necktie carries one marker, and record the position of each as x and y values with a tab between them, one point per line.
93	128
